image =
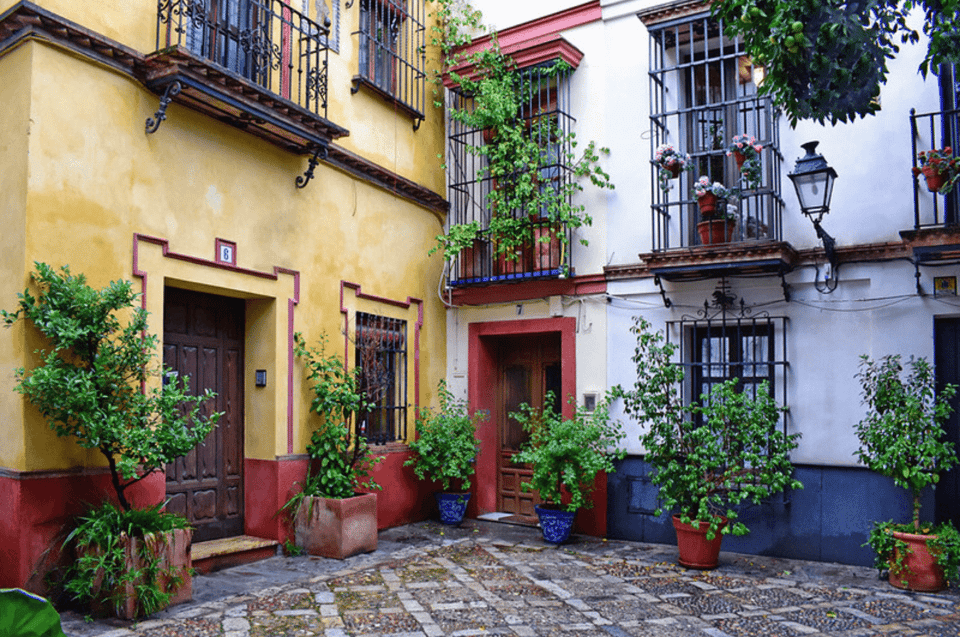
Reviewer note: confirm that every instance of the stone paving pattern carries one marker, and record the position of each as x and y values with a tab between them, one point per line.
476	582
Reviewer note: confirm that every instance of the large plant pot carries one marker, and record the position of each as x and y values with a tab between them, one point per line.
546	248
452	506
518	263
920	570
337	528
696	551
935	180
173	548
555	524
715	231
472	259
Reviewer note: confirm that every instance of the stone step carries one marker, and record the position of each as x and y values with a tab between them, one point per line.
214	555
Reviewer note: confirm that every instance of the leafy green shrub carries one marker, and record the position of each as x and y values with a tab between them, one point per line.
902	437
100	573
446	446
90	384
344	457
568	454
729	451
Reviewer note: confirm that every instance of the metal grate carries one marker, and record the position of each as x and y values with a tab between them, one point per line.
702	94
392	50
381	355
265	42
938	129
470	183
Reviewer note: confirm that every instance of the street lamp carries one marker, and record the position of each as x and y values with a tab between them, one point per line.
813	178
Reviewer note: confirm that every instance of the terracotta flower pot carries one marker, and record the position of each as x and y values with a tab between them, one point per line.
674	170
715	231
546	252
472	259
920	570
696	551
935	180
337	528
739	158
707	203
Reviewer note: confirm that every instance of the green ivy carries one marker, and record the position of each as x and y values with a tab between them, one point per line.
568	454
826	59
90	383
446	447
711	455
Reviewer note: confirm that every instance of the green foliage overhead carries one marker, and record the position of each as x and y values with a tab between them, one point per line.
446	446
344	460
102	569
902	434
826	59
92	382
568	454
727	451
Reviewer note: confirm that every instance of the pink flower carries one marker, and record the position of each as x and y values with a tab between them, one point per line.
758	148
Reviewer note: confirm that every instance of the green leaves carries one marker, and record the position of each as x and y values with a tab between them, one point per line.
567	455
89	385
901	436
446	446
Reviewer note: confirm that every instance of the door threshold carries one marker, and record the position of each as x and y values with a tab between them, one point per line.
214	555
509	518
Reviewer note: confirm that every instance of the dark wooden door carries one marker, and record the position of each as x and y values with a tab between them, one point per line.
947	364
528	368
203	339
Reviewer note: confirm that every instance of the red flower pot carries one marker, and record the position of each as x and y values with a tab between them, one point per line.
696	551
739	158
920	570
935	180
674	170
715	231
707	203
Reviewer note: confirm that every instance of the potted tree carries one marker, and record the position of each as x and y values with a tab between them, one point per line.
709	456
331	516
902	437
566	456
99	384
445	451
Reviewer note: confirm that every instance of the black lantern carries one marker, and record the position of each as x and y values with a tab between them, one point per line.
813	179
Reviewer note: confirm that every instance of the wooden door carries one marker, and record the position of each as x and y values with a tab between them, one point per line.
203	339
528	367
947	366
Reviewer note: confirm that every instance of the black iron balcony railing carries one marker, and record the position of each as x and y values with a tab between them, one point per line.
265	42
938	130
545	254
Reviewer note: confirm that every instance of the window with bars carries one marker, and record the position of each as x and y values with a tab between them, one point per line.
546	114
723	347
381	357
392	51
703	92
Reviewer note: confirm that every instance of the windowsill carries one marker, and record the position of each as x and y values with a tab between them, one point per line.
367	85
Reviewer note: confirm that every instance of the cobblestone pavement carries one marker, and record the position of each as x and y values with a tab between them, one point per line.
488	579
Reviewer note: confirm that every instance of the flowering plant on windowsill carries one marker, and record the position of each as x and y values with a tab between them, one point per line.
670	163
703	187
941	162
749	149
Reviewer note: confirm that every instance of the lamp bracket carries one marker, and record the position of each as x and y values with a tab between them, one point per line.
667	303
319	153
153	123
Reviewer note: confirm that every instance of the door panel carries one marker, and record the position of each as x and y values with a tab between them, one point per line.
947	365
203	340
528	367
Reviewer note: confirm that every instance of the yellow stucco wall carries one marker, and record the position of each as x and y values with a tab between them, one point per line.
90	179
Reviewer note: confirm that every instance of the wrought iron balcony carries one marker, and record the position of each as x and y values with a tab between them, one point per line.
259	65
938	129
546	254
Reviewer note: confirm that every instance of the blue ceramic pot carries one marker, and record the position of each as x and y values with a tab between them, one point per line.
555	524
453	506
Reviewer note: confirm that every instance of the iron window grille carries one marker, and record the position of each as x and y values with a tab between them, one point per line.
937	129
546	112
265	42
381	357
392	51
730	344
702	94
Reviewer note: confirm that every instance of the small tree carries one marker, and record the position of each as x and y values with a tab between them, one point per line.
93	382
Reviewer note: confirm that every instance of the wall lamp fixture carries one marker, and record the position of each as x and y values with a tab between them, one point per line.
813	178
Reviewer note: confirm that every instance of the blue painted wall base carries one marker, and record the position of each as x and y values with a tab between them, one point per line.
827	521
